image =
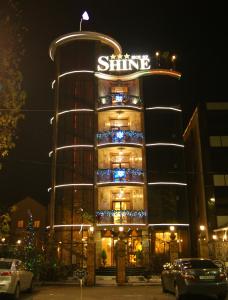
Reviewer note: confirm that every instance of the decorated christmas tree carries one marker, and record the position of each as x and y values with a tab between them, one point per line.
32	256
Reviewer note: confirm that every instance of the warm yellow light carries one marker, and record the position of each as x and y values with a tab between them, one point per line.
172	228
157	53
91	229
212	199
3	240
174	57
121	229
202	227
18	242
214	237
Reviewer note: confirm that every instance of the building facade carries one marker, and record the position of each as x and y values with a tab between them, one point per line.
206	141
118	154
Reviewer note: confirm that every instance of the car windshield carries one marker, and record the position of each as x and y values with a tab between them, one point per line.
199	264
5	264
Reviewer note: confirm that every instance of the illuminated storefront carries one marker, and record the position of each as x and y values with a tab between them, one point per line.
108	147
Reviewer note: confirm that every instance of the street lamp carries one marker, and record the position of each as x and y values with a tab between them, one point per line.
85	17
173	59
157	54
172	232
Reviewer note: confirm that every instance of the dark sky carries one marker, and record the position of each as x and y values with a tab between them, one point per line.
197	34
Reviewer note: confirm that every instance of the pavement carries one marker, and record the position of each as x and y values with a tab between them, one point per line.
109	281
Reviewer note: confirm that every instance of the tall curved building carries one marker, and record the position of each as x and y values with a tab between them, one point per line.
118	156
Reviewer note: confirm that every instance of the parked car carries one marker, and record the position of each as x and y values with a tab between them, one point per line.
14	277
196	276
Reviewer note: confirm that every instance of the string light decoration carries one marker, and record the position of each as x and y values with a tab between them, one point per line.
127	213
120	136
31	259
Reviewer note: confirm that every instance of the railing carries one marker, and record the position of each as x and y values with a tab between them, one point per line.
119	175
119	136
120	216
119	100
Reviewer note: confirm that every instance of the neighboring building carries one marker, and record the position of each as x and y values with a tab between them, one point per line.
118	155
20	218
206	140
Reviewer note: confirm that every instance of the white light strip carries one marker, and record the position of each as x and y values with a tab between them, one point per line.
125	224
119	106
164	108
85	36
221	229
71	184
71	72
72	146
169	224
72	110
165	144
138	74
116	144
71	225
167	183
121	182
68	36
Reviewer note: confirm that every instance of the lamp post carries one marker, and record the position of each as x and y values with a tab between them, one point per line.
203	246
85	17
173	59
173	246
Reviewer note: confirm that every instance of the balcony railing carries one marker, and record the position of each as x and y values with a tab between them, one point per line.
119	100
119	136
120	216
119	175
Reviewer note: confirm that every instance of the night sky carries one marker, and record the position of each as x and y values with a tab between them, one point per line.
196	34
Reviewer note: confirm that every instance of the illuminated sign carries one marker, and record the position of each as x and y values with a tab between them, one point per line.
123	62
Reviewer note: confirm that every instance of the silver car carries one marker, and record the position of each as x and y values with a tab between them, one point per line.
14	277
194	276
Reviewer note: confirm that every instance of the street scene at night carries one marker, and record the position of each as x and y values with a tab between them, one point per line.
113	150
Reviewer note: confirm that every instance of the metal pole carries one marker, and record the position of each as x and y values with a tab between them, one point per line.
80	26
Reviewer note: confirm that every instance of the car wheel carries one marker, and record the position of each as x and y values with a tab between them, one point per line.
177	292
31	288
16	294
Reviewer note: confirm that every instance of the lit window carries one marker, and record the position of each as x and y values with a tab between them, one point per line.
217	106
224	141
37	223
219	141
219	180
20	224
215	141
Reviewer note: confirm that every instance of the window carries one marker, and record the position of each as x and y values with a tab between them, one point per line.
219	141
120	161
217	106
20	223
119	124
220	180
224	141
215	141
37	223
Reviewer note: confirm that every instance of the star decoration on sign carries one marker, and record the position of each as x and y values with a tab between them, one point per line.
126	56
113	56
120	56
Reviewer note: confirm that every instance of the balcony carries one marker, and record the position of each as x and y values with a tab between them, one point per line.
119	137
120	175
120	216
119	100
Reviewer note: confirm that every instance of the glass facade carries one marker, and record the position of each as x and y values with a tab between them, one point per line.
114	143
